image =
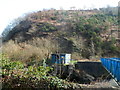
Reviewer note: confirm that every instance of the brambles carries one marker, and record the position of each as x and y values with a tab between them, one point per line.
16	74
31	51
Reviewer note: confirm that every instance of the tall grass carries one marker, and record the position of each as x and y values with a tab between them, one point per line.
36	49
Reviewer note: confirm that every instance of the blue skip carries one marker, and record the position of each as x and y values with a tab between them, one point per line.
113	67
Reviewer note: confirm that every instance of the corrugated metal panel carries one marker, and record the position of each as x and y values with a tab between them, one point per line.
55	58
113	66
62	58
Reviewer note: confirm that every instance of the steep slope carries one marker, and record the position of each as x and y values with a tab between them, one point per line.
85	34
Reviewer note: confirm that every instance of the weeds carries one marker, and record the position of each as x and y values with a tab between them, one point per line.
16	75
32	51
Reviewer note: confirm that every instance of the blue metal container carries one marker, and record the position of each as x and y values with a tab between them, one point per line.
61	58
113	66
54	58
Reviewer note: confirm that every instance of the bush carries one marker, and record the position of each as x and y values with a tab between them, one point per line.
17	75
30	52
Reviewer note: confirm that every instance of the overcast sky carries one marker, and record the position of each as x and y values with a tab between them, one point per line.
11	9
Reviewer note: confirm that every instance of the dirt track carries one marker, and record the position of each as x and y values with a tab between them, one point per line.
104	84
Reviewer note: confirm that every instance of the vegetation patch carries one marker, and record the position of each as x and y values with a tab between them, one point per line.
17	75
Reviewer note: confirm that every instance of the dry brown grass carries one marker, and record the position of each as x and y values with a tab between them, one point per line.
36	49
76	56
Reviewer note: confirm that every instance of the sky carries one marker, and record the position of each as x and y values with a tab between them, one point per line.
11	9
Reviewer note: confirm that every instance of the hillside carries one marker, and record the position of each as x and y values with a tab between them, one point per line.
83	33
29	42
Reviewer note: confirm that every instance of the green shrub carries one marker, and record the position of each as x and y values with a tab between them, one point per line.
17	75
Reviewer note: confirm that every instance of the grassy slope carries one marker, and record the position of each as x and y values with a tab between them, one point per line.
85	34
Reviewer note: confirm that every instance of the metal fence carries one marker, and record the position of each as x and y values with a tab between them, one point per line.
113	67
